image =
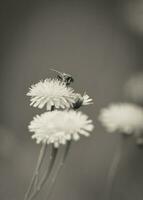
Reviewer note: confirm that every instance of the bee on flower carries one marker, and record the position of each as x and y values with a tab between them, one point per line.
66	78
53	93
58	127
81	100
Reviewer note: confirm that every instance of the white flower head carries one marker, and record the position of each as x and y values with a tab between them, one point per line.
134	88
55	93
126	118
58	127
82	100
86	100
52	93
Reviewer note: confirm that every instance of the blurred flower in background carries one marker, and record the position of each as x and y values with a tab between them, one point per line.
123	118
133	14
126	118
134	88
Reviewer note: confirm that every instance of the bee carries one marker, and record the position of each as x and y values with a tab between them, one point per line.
66	78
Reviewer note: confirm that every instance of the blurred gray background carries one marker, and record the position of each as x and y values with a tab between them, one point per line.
100	43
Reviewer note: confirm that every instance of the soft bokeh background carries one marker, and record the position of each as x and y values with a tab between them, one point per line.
100	43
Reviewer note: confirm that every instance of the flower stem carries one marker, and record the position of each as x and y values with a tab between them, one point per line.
47	174
36	172
56	169
113	170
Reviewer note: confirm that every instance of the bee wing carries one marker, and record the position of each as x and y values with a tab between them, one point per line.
57	72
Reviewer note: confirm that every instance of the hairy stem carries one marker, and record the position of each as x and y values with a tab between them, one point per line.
57	168
46	175
36	172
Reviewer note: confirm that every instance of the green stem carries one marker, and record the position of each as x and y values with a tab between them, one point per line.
36	172
47	174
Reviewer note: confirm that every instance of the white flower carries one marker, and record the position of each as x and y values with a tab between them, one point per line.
59	126
81	100
123	117
52	93
134	88
87	100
